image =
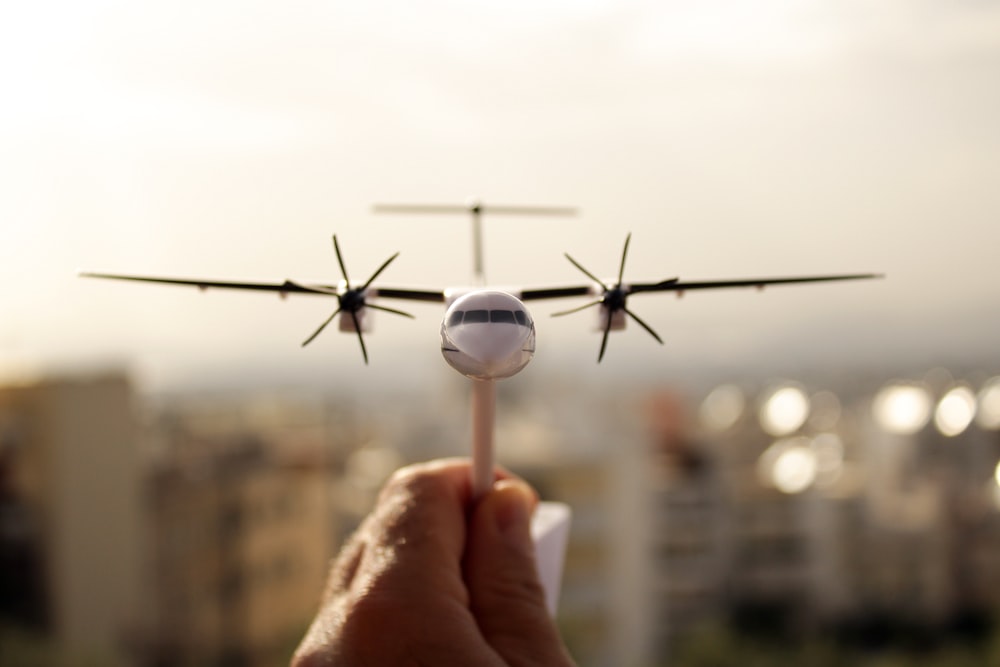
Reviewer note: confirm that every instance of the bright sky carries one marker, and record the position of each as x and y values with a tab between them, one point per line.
231	139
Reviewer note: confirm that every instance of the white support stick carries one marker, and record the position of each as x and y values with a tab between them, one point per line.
484	406
550	523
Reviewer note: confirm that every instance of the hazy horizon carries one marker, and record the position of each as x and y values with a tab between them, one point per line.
230	141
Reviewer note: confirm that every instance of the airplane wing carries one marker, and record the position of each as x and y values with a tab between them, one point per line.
555	292
283	288
760	283
287	287
675	285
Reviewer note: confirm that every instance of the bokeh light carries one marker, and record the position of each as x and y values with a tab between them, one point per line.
955	411
794	469
765	463
988	415
722	408
902	408
784	411
790	465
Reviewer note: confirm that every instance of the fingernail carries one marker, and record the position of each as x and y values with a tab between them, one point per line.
515	502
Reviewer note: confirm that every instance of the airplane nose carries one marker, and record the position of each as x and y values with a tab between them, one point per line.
487	335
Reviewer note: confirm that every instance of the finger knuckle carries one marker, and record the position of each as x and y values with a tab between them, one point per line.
521	591
414	481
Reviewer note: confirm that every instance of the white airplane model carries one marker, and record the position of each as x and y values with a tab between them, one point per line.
354	300
487	335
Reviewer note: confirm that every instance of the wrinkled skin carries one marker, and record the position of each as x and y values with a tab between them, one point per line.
433	579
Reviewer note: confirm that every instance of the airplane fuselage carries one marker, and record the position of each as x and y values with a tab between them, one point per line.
487	334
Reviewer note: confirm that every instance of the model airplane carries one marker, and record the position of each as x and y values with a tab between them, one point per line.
488	335
610	297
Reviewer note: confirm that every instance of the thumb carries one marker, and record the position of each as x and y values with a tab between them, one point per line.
505	594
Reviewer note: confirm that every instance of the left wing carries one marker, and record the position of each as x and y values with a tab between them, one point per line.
287	287
284	288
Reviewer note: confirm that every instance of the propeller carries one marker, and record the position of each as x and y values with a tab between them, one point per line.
352	299
614	300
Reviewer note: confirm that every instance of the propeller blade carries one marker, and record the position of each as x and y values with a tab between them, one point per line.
644	325
361	338
378	271
621	268
390	310
578	308
318	289
321	327
340	260
586	272
604	339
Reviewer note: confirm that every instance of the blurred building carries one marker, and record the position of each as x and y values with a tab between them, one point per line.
788	512
183	533
73	529
240	496
689	526
241	550
202	526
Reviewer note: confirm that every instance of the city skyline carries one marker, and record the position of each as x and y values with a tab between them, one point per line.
817	505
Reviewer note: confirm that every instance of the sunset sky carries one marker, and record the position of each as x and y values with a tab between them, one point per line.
231	139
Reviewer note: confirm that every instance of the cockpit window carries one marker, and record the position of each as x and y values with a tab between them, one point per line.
484	316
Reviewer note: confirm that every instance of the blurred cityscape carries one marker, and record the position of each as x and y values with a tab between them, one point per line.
832	520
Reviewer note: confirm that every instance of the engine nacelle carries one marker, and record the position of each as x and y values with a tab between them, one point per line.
618	319
345	323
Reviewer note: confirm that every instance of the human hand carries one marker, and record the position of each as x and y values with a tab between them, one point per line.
432	578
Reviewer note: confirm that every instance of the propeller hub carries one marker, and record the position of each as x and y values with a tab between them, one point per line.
614	298
613	301
352	300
